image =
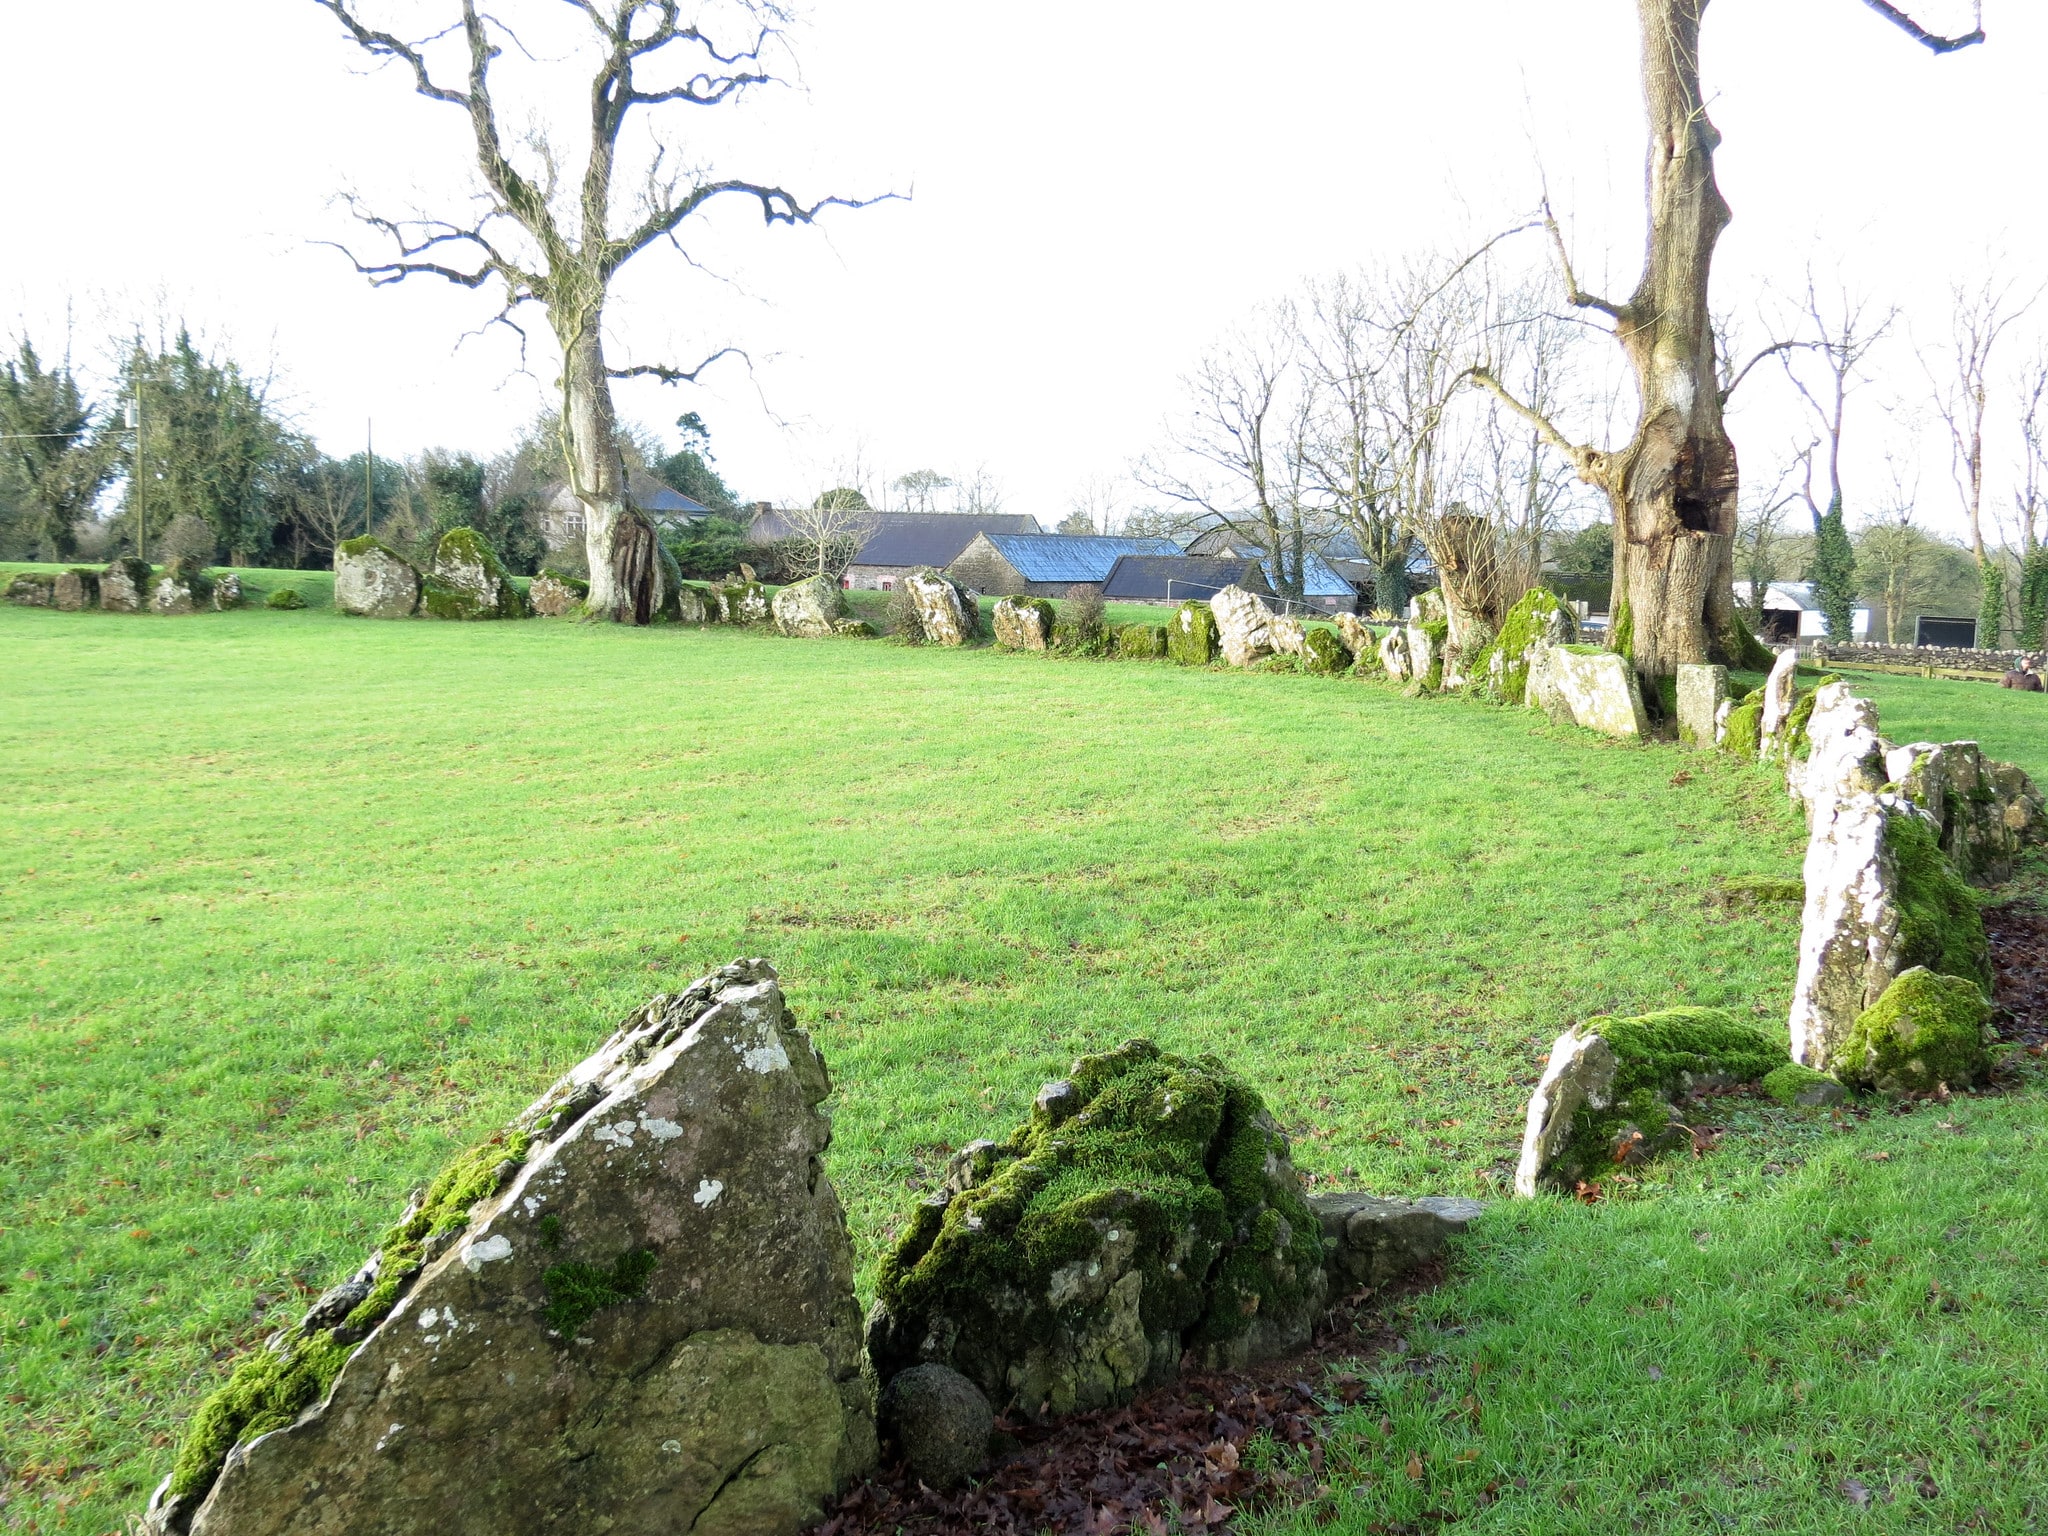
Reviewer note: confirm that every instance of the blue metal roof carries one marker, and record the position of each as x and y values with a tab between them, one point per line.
1317	579
1070	556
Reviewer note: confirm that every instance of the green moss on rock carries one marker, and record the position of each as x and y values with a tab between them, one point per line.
1791	1084
1745	733
285	598
578	1292
271	1386
469	581
1191	637
1927	1030
1141	642
1941	925
1323	653
1502	668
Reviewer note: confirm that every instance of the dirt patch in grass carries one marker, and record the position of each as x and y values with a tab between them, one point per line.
1187	1457
2018	932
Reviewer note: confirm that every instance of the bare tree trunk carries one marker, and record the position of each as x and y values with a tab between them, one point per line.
625	572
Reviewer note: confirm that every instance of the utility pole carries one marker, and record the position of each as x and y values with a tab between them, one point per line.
369	467
135	472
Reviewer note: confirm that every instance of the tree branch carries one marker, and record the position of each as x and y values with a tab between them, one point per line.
1580	299
1589	462
1771	351
1920	34
777	207
385	46
669	375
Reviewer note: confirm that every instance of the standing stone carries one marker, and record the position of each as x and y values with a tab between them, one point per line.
1780	689
1356	634
941	613
124	586
1323	653
1244	626
743	602
1422	654
1849	949
1987	812
32	589
1024	623
1580	1074
1597	690
468	581
810	609
1372	1241
1289	636
181	587
1702	690
76	590
645	1321
227	591
1844	754
1394	654
1191	637
374	581
556	596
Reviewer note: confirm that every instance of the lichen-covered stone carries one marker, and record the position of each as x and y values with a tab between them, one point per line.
1023	623
1594	689
1702	692
227	591
1141	642
1371	1241
1394	654
1424	650
32	589
1844	755
124	585
1539	617
181	587
374	581
1244	626
810	609
630	1311
1926	1031
75	590
1357	636
1146	1214
468	581
941	608
1191	636
854	629
285	599
1289	635
1613	1088
939	1422
1780	692
1323	653
554	595
1986	813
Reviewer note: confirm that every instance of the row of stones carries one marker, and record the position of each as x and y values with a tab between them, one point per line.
128	586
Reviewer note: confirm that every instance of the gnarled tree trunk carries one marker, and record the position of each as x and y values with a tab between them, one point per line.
625	570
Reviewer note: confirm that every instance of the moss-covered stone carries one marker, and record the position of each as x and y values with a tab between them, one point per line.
1024	623
1927	1030
1661	1059
285	598
33	589
1802	1087
1141	642
1940	923
468	581
1323	653
1744	735
181	587
1502	669
1192	638
1147	1208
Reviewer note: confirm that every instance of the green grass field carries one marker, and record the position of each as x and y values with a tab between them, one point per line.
292	907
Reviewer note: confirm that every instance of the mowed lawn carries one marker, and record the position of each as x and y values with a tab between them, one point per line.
292	907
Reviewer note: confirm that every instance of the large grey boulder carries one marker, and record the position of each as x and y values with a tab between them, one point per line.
181	587
1023	623
554	595
1986	812
1290	636
1578	685
811	609
1244	626
32	589
1845	755
939	1421
227	591
1849	948
1422	653
76	590
124	586
469	582
1579	1074
1780	691
374	581
1146	1216
630	1312
1356	634
941	612
1702	690
1372	1241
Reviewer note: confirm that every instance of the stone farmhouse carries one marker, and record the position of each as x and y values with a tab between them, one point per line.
561	516
903	541
1045	564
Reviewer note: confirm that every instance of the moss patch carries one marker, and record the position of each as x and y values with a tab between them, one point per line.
1502	669
578	1292
1171	1150
1926	1030
1141	642
273	1385
1941	926
1759	891
1744	736
468	550
1191	637
286	598
1323	653
1787	1082
1660	1058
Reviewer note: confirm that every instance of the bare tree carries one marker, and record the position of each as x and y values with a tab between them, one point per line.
1977	318
536	241
825	536
1238	459
1894	555
1760	553
1844	329
2031	498
1674	487
981	491
920	488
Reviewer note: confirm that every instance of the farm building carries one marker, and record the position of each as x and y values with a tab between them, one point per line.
1045	564
903	541
1177	578
1791	612
562	521
1323	588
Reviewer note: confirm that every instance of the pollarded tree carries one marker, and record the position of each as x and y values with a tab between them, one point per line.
561	247
1673	487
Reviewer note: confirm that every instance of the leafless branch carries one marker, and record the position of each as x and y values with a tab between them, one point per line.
1578	296
1768	352
1920	34
669	375
1589	462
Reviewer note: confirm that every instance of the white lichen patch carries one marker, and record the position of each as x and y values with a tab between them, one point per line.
764	1058
660	1130
620	1135
475	1255
386	1438
708	1190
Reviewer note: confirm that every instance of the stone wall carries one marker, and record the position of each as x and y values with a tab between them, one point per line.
1821	652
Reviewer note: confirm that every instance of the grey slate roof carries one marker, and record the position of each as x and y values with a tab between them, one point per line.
652	496
1176	578
934	538
1072	557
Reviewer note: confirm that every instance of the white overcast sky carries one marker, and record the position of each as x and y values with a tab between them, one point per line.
1099	189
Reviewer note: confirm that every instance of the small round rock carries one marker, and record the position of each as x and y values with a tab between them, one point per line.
940	1422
